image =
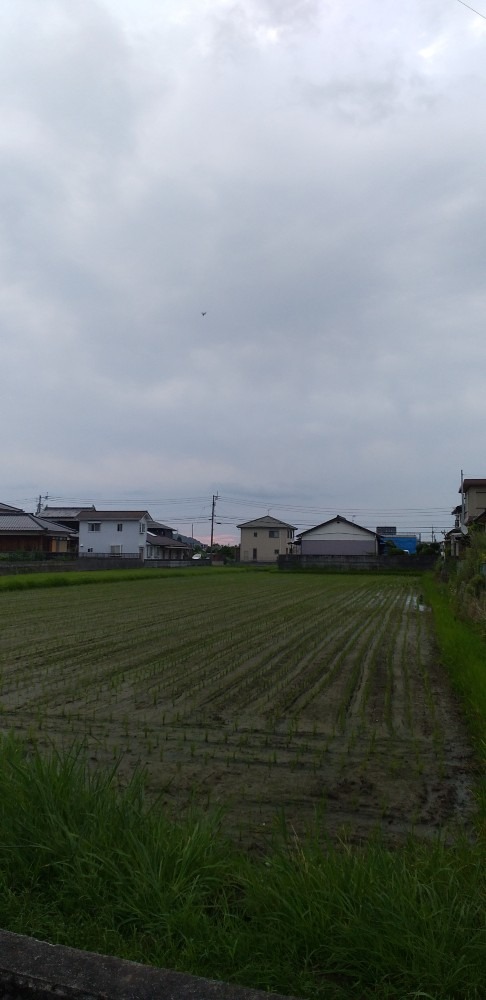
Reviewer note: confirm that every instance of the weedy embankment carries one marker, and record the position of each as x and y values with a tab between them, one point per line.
88	864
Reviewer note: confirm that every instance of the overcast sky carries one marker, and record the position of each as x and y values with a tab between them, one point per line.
311	174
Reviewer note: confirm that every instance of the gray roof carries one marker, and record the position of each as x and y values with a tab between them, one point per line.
22	524
336	520
6	507
74	512
266	522
165	542
113	515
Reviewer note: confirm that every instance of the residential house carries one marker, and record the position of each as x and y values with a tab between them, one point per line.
161	543
28	533
338	537
65	515
133	534
265	539
114	533
471	511
473	499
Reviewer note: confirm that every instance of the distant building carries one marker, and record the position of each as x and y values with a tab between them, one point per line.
69	516
473	499
406	542
27	533
338	537
132	534
265	539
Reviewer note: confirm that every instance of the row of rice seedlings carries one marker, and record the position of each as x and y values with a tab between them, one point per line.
358	660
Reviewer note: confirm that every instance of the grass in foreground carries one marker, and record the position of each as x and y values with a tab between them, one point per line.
91	865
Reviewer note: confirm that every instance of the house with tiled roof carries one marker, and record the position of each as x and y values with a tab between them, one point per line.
27	533
65	515
473	499
133	534
264	539
470	512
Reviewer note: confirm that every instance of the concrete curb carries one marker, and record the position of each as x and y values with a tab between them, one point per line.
36	970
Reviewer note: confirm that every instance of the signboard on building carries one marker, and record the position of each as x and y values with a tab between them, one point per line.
387	530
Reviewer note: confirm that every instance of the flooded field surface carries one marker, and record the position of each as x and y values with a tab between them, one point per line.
318	696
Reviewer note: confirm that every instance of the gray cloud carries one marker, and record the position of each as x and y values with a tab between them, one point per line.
312	179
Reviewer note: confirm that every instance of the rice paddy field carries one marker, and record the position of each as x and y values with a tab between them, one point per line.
286	700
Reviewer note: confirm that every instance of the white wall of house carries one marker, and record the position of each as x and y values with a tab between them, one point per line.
110	535
339	538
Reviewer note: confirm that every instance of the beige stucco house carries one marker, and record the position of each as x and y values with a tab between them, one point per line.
474	499
265	539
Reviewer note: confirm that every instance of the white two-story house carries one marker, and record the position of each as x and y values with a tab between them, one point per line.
114	533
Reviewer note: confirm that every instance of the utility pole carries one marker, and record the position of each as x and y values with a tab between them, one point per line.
39	503
463	502
215	497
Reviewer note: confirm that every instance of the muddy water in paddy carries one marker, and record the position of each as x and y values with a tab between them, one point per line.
343	717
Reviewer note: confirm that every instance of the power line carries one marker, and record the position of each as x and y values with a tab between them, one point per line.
472	8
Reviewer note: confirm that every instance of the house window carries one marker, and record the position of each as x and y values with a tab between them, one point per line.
254	553
274	534
94	525
289	533
276	552
116	550
142	528
255	534
119	527
90	550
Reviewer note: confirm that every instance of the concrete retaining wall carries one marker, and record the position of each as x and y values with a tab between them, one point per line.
364	563
34	970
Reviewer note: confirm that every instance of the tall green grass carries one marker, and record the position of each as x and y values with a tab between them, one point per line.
463	652
90	864
73	578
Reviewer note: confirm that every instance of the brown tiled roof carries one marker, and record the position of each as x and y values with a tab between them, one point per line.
165	542
113	515
469	483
